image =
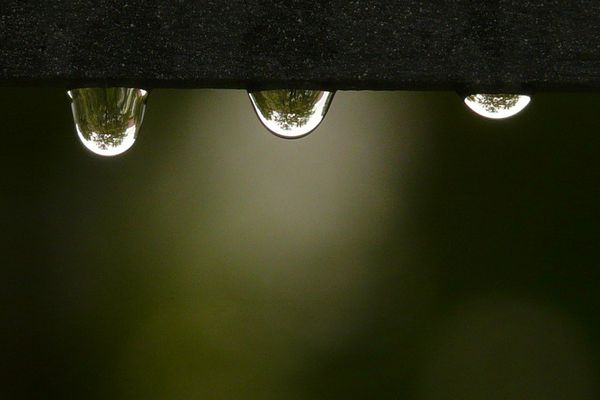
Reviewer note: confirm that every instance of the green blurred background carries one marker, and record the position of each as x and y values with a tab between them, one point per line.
407	249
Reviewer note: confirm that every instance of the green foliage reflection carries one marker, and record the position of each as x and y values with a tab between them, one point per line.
494	103
105	116
288	108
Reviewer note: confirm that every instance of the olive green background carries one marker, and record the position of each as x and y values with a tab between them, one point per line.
407	249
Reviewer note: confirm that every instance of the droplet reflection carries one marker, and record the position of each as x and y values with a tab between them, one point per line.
108	120
497	106
291	113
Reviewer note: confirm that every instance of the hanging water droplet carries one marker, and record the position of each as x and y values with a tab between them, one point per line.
108	120
497	106
291	113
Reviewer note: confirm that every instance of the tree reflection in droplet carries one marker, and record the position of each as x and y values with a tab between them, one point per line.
107	120
291	113
497	106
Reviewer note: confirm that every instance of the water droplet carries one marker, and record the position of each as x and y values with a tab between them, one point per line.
291	113
108	120
497	106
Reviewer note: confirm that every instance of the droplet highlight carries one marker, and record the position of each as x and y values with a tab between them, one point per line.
291	113
108	120
497	106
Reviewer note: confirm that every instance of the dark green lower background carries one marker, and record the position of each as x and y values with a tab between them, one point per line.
407	249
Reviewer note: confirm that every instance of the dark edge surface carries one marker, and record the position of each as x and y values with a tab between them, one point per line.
518	46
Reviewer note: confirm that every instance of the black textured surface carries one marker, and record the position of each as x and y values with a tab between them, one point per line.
368	44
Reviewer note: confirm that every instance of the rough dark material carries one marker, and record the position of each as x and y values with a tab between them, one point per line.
362	44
